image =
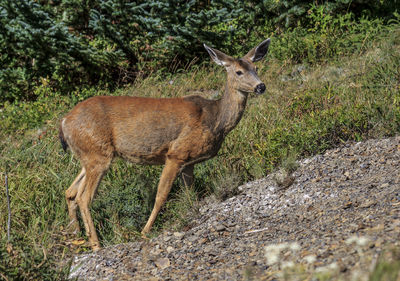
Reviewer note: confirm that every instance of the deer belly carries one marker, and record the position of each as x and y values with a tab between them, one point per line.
147	150
143	154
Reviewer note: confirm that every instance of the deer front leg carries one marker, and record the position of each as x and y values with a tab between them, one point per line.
168	175
187	175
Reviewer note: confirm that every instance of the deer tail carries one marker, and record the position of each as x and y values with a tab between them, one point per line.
64	143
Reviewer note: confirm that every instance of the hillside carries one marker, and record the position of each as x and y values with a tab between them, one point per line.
330	83
336	216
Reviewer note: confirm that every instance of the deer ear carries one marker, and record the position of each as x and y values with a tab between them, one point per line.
219	57
257	53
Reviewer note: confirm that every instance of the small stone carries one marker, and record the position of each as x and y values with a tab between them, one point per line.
220	227
315	180
179	235
367	204
208	248
162	263
347	205
385	185
156	251
170	249
193	238
203	240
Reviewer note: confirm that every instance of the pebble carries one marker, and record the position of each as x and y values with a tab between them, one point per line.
170	249
179	235
220	227
162	263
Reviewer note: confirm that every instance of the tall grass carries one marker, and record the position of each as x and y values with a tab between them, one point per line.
307	109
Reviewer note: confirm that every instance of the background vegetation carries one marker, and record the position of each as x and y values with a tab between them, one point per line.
73	44
332	75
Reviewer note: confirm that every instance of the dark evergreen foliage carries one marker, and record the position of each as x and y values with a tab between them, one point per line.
35	46
71	43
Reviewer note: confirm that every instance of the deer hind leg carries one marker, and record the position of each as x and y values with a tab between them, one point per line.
70	195
168	175
187	175
94	172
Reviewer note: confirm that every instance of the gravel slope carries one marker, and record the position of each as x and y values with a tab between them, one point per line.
335	214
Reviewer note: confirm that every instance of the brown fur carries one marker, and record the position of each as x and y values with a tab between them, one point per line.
177	132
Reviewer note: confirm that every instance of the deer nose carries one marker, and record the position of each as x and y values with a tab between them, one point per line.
260	88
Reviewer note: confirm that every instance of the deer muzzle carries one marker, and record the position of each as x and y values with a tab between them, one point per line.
260	89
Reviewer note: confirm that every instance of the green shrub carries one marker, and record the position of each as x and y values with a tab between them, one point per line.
329	36
71	44
22	262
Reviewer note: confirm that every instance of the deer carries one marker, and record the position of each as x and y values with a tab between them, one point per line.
175	132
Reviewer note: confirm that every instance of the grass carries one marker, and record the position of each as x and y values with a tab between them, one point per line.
388	267
307	109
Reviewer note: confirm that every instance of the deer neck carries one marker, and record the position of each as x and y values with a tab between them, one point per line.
230	109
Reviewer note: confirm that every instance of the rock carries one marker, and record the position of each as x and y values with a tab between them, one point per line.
220	227
179	235
385	185
156	251
170	249
162	263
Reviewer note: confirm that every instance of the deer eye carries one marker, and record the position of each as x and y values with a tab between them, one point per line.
239	72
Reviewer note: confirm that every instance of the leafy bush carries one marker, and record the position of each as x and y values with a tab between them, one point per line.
21	262
37	49
327	37
70	44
